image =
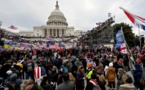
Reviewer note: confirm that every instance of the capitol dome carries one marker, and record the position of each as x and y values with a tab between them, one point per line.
57	17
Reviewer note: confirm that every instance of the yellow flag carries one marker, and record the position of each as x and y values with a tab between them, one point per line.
7	46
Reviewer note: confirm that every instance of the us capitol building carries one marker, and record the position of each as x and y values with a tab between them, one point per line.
57	26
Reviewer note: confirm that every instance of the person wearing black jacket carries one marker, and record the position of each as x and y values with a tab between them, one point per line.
45	85
93	84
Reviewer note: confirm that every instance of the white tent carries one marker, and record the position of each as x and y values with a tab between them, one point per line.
7	29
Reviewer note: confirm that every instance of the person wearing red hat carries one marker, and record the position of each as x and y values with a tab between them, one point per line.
139	61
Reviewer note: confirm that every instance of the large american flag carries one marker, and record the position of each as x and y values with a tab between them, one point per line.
39	72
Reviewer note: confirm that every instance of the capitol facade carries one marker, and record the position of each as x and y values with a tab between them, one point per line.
56	26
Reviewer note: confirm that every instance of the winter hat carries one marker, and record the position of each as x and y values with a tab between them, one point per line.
13	77
120	62
110	64
9	72
89	64
29	61
138	61
99	71
41	59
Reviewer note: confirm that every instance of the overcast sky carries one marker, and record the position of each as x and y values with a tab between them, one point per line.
82	14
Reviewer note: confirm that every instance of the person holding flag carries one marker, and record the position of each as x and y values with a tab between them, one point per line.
121	45
120	42
39	72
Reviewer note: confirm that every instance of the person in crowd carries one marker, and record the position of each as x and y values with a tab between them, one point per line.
12	78
48	68
18	84
93	84
137	75
72	78
128	84
24	68
45	85
31	85
74	69
53	76
118	64
89	71
101	79
78	62
30	69
84	62
80	78
4	68
59	79
19	67
126	62
120	73
67	84
111	73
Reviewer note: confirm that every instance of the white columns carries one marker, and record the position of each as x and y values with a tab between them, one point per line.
55	32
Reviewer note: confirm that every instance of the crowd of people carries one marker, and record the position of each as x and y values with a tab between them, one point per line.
91	68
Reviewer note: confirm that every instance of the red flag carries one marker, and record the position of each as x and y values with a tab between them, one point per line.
123	48
137	20
132	17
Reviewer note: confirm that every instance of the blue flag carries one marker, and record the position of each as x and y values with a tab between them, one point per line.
51	42
119	39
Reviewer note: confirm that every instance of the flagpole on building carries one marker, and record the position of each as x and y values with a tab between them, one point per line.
128	52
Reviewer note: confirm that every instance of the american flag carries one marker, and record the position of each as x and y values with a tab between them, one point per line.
24	45
13	27
43	45
39	72
36	46
57	46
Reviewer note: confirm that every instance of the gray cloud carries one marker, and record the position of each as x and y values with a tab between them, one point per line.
82	14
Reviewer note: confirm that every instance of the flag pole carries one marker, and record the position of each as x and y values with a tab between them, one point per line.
128	52
139	36
114	31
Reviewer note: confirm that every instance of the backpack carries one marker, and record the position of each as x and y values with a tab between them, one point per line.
142	79
29	67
